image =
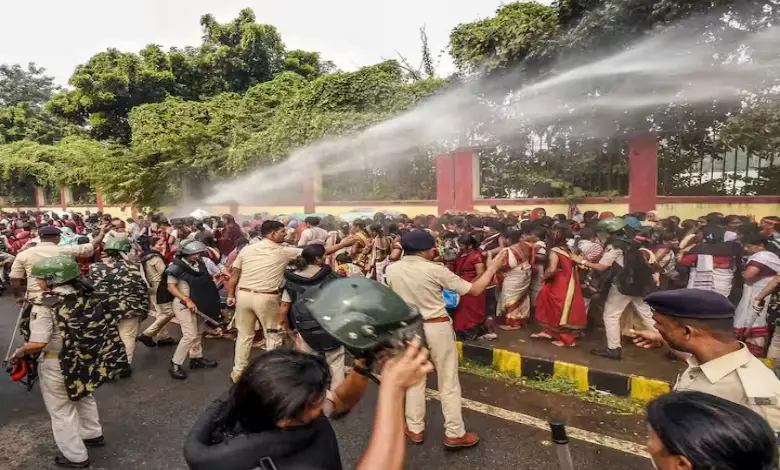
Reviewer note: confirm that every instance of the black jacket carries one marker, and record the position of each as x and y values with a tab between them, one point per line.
311	447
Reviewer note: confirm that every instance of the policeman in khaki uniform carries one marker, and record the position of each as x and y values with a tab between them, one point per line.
419	282
254	288
688	320
48	247
67	396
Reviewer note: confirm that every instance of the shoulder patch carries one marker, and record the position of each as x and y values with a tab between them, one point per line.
757	390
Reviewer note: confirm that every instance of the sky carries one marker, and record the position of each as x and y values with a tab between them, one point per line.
353	33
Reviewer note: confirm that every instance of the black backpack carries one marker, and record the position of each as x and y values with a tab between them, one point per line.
635	278
300	319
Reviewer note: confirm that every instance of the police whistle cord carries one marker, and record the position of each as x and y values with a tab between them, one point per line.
561	442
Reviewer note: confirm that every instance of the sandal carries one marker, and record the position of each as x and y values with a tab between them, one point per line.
509	327
544	336
561	344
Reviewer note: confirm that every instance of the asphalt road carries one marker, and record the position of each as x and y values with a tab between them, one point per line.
146	418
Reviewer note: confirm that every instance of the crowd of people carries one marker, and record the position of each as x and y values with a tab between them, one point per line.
474	275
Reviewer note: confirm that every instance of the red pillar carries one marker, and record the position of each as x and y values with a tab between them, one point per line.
309	194
643	173
233	208
63	199
445	183
464	180
99	201
39	197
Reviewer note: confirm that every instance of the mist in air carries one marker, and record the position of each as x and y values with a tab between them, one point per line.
671	66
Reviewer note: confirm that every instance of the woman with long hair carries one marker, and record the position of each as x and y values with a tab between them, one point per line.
380	253
229	235
560	307
469	318
311	271
699	431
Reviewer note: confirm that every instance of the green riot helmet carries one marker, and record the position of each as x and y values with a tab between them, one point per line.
192	247
364	315
611	225
56	270
121	245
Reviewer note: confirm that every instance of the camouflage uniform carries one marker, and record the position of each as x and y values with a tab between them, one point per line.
124	285
82	351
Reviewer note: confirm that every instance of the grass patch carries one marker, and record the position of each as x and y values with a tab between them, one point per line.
623	405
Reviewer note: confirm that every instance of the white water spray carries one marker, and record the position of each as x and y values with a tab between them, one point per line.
672	66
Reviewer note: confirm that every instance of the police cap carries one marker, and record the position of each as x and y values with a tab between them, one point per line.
695	304
49	231
417	240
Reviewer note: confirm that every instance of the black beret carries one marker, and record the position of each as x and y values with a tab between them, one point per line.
49	231
691	303
417	240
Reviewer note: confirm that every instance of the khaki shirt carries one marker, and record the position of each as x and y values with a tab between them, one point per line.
308	272
154	269
43	325
738	377
262	265
420	283
25	260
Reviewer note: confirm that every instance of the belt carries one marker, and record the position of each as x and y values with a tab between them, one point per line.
51	354
245	289
437	320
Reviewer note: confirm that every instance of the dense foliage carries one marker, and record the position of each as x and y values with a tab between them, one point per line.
144	127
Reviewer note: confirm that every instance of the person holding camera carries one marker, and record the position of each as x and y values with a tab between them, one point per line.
419	282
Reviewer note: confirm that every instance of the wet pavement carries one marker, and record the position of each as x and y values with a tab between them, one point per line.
650	363
147	417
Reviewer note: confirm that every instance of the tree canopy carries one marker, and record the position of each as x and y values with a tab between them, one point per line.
141	126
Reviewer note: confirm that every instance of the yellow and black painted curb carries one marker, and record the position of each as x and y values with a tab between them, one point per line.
536	368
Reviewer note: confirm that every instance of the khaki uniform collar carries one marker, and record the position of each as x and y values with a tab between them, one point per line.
720	367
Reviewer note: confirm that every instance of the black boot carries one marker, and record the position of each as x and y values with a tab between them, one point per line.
148	341
201	363
177	372
167	342
614	354
63	462
126	372
95	442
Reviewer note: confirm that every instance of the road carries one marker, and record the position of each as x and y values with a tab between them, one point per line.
146	418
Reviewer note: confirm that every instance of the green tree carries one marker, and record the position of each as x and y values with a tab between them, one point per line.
24	84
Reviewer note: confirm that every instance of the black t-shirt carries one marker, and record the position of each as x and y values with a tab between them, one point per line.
310	447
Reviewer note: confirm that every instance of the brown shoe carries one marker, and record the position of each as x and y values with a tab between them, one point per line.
415	437
470	439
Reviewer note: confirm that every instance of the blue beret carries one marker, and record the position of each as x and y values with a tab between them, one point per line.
417	240
691	303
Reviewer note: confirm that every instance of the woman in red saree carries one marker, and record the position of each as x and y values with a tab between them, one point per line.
560	307
469	319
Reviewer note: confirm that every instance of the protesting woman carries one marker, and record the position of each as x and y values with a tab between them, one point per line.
469	318
560	308
515	303
751	326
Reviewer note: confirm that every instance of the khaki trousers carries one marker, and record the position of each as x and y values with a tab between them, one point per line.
128	332
191	334
335	360
444	356
614	307
251	307
71	421
163	314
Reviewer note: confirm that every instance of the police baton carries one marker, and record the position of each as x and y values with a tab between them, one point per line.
13	333
561	441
